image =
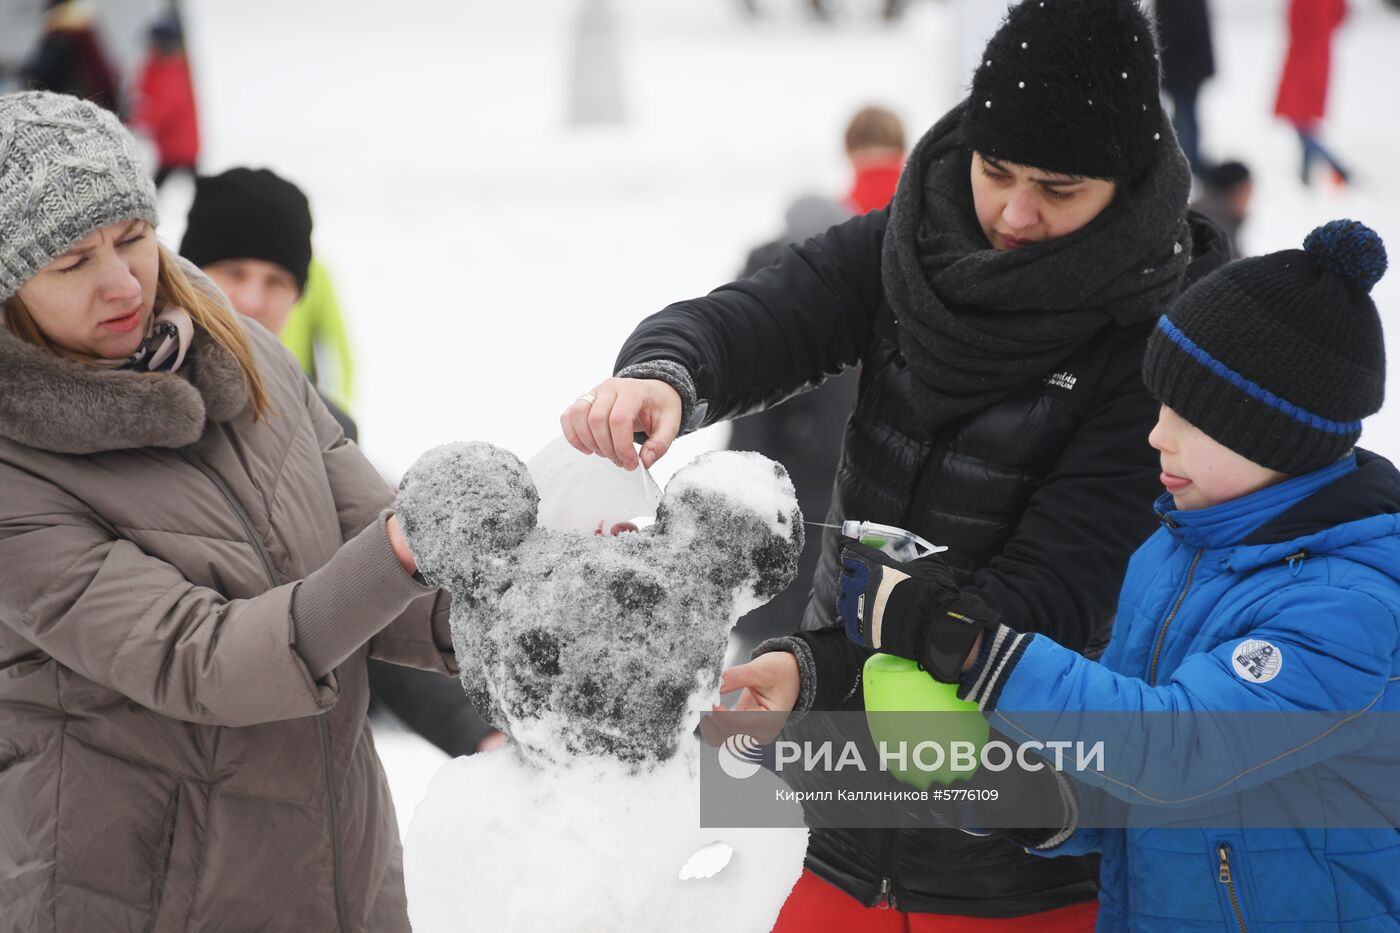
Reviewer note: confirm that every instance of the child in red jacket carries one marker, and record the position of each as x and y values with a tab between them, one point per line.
165	108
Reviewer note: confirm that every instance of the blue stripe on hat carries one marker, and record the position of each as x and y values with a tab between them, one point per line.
1253	389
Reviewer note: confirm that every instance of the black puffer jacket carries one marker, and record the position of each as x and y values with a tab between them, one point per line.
1040	497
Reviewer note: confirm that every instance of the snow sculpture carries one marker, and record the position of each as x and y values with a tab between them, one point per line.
596	655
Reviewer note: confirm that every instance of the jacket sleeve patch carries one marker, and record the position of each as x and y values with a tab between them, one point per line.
1256	661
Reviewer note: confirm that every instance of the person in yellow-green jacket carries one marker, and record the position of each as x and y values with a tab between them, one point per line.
315	333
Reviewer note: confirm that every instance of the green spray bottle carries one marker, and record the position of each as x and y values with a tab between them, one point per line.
895	685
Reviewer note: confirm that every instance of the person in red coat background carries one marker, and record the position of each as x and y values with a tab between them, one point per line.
165	109
1302	91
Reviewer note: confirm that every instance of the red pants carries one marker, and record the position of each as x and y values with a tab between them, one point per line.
814	906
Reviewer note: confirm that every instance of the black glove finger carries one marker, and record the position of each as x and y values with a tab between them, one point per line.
934	569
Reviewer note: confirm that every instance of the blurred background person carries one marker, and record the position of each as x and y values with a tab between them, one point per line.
1188	60
69	58
875	147
264	271
804	434
824	11
164	108
315	331
1226	190
1307	72
249	230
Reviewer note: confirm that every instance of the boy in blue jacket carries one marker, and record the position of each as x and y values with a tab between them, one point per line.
1272	586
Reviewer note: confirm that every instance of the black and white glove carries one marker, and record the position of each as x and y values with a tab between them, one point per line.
914	610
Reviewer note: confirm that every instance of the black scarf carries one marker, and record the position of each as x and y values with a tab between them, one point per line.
976	324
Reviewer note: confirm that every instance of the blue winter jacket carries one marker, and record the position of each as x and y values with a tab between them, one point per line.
1284	600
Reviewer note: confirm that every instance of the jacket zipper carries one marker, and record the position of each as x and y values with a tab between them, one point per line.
271	571
885	899
1225	878
1162	632
335	823
238	511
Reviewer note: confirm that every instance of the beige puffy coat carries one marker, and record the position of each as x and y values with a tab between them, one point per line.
167	760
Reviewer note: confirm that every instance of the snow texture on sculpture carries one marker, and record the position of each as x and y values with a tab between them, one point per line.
580	645
596	655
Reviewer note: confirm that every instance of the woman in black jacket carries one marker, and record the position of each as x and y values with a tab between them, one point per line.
998	310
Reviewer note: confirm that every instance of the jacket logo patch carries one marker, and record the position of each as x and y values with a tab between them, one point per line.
1257	661
1061	380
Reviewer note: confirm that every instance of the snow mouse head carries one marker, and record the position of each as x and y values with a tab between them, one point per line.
582	645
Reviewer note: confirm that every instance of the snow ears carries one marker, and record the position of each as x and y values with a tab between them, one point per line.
461	502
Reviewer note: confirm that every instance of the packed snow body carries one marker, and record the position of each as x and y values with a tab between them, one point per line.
576	644
596	655
499	846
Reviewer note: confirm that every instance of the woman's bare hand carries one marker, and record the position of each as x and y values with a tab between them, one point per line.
619	409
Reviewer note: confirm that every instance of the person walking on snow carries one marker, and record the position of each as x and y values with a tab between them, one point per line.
165	105
998	311
1271	589
1307	72
1188	61
197	566
69	58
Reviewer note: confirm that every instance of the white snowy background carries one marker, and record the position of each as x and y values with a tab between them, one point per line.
490	260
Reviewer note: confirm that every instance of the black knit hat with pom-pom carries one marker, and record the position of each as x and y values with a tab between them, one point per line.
1279	357
1071	86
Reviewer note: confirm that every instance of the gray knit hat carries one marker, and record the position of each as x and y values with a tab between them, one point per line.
67	168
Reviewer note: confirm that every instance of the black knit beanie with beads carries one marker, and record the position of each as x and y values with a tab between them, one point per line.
1279	357
1073	87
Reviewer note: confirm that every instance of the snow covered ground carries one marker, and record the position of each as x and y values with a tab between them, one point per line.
491	260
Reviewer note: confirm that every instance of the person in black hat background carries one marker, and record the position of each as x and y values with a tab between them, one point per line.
249	230
998	312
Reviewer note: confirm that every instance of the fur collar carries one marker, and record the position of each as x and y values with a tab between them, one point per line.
51	403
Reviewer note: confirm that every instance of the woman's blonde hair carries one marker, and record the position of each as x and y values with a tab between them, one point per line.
173	287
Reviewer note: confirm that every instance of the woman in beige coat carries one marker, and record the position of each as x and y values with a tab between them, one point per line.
194	566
